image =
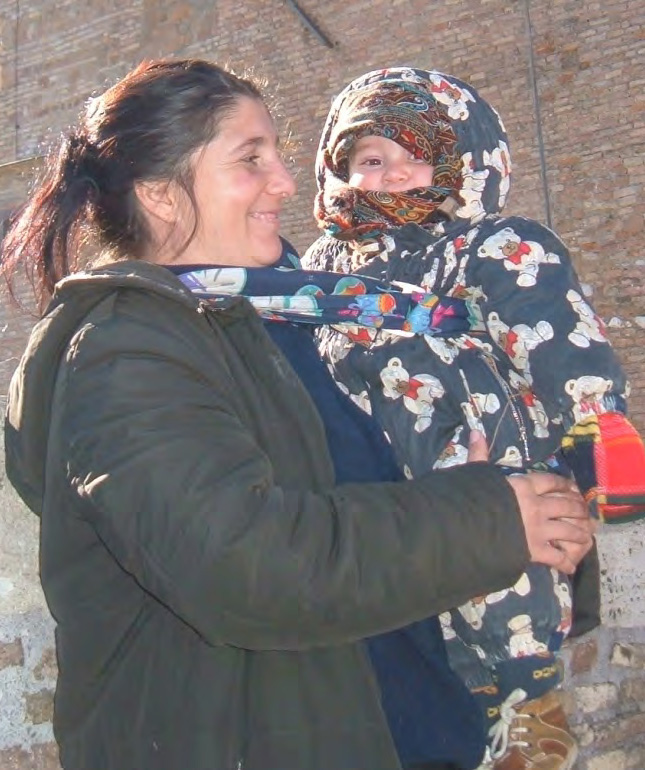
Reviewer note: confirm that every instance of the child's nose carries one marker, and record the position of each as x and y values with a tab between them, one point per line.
397	170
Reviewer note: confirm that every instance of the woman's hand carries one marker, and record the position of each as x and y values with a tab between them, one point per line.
558	528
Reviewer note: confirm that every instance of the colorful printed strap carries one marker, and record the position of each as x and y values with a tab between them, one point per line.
320	297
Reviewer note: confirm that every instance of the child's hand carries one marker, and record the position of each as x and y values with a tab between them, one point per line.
477	447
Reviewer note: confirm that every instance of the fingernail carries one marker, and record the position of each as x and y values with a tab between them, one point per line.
475	435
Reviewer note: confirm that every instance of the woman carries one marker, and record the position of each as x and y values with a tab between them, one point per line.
210	579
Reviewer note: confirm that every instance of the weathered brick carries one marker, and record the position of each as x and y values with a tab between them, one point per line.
612	760
596	697
11	654
633	690
612	733
568	701
583	733
584	656
636	757
39	706
629	655
46	668
42	756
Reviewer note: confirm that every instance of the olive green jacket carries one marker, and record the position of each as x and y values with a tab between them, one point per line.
208	581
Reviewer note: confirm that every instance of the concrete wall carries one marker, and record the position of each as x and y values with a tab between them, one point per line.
567	77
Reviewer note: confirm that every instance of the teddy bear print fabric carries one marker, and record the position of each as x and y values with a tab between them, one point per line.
537	361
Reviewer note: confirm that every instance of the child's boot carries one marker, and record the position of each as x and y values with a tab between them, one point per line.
532	735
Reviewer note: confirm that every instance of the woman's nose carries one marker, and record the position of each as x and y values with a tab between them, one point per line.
282	181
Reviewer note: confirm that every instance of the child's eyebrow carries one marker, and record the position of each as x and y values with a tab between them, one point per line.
363	150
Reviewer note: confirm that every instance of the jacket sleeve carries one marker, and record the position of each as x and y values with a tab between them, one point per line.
180	492
535	309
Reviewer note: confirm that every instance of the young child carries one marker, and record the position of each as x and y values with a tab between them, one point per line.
413	169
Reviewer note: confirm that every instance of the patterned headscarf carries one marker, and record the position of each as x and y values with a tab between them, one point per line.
427	113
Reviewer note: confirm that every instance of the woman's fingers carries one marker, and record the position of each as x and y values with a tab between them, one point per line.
556	520
548	483
559	531
559	558
566	506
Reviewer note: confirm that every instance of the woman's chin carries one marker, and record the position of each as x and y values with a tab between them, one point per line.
271	252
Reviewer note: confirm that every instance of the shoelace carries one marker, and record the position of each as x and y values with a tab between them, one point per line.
500	731
487	761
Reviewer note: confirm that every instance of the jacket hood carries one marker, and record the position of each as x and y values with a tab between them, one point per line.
438	118
32	385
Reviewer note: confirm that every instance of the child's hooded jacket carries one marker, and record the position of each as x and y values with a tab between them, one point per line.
543	361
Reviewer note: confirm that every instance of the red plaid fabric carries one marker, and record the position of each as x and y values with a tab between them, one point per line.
607	457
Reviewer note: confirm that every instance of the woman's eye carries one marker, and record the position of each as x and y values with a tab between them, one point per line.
251	159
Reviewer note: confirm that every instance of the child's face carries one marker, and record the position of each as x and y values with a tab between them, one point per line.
380	164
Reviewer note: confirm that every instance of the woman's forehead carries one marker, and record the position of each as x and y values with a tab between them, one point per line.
248	123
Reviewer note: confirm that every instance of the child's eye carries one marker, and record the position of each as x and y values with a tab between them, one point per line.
370	162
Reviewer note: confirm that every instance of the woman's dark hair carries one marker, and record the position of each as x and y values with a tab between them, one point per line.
144	128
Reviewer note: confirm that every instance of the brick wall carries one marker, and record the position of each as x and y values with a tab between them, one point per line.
567	77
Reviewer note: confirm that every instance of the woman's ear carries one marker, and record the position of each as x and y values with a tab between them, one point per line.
159	199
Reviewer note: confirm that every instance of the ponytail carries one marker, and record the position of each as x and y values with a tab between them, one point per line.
46	235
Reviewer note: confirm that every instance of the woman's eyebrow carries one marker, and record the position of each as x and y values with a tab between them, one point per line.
253	143
249	144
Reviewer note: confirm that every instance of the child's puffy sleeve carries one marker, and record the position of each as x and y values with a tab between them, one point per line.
536	311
